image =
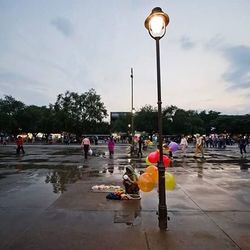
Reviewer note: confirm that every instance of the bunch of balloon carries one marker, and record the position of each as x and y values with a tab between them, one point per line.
146	183
170	182
154	157
148	180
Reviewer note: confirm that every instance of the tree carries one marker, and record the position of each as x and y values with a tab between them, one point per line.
209	119
84	113
196	123
167	119
181	122
10	110
80	113
146	119
121	123
37	119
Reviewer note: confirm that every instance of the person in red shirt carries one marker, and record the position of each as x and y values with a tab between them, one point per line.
19	143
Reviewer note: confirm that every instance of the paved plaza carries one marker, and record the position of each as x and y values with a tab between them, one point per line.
46	201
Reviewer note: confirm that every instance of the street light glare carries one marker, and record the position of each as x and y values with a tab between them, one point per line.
156	23
157	26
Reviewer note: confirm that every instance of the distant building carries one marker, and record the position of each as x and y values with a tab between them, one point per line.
116	115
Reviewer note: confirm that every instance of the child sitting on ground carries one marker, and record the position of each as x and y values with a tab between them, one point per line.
130	181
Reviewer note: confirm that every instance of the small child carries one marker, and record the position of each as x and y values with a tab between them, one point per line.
130	181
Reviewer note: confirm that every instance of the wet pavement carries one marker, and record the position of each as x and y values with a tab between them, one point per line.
46	201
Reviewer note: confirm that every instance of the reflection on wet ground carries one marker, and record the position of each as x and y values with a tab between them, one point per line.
65	165
49	188
129	217
59	178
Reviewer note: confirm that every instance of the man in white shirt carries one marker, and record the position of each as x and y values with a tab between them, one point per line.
85	145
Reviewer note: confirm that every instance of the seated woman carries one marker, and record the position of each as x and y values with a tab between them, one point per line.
130	181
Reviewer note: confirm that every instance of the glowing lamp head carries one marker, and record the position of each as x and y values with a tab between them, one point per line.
156	23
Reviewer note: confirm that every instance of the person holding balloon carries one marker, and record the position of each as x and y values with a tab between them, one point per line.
130	180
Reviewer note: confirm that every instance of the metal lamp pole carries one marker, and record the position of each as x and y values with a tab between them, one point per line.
132	109
156	24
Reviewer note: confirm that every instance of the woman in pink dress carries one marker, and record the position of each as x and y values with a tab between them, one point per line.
111	147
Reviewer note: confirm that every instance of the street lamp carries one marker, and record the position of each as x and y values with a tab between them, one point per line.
156	24
132	110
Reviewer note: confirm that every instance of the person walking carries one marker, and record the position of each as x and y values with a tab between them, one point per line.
184	145
140	146
19	143
199	146
242	145
111	147
85	145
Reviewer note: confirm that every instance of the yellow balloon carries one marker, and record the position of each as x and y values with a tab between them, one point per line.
146	182
170	182
153	172
147	161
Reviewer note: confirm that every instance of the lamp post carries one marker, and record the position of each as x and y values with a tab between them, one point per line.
156	24
132	110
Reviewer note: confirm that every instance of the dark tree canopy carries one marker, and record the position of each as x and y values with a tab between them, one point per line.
80	113
84	114
72	112
179	121
10	112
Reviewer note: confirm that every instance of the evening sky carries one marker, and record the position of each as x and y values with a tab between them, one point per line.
50	46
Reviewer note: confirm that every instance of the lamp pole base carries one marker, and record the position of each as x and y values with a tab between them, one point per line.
162	207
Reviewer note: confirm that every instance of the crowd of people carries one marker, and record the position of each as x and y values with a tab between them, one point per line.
140	143
213	141
200	142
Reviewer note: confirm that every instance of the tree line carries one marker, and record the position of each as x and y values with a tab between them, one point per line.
177	121
72	112
85	113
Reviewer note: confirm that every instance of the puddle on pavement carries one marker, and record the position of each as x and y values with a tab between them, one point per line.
59	176
128	217
244	165
68	151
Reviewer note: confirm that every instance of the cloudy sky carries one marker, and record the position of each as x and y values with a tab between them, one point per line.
50	46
